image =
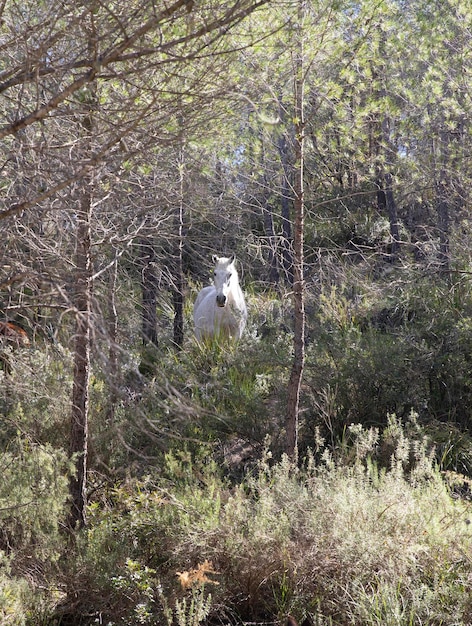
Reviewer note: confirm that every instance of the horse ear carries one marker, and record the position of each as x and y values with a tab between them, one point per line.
214	258
232	258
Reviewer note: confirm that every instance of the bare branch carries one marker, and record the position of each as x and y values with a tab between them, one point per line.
115	55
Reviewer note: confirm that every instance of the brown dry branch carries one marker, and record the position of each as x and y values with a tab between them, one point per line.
198	576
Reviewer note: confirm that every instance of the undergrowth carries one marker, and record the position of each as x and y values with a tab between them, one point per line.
352	543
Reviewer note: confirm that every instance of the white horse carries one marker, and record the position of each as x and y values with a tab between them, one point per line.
220	310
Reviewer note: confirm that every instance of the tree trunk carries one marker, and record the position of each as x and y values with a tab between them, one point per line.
83	306
80	389
385	154
443	194
178	278
149	290
149	286
295	381
392	213
112	328
268	220
269	231
287	252
442	204
178	299
387	206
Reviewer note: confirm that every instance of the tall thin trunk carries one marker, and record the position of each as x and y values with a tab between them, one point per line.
296	375
149	286
178	300
385	154
443	194
149	291
286	196
80	388
268	219
386	205
442	207
269	231
178	278
387	177
112	330
83	307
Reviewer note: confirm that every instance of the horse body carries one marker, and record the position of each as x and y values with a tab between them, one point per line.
220	310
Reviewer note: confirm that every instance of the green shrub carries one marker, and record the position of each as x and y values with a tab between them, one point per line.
36	397
33	494
349	544
398	344
204	395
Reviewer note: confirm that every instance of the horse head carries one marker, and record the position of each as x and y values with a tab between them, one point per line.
224	274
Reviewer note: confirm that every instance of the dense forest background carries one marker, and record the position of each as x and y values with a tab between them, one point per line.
144	477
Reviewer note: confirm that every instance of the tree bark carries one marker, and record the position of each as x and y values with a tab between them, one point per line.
178	278
392	213
442	204
294	385
149	286
178	300
386	205
269	231
385	153
80	388
112	329
268	220
443	194
83	306
286	196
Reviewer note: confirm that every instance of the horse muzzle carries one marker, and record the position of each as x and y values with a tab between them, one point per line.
220	300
